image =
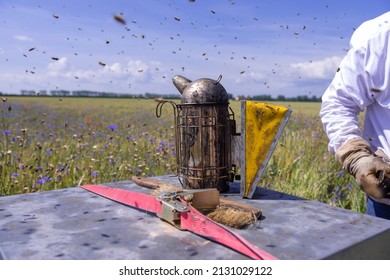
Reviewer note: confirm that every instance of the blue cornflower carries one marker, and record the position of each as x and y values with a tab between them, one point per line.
138	171
162	143
43	180
112	127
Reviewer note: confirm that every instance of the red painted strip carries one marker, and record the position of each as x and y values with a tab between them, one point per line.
134	199
197	223
193	220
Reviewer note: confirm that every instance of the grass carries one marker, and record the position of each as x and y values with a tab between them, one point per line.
51	143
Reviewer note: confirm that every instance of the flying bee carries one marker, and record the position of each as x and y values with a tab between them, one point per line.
120	19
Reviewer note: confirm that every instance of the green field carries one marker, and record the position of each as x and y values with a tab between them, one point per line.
50	143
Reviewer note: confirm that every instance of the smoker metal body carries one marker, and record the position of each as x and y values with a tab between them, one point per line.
204	126
204	148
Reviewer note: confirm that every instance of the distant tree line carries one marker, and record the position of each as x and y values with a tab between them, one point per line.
88	93
267	97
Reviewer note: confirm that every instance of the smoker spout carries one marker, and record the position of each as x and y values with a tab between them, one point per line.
180	82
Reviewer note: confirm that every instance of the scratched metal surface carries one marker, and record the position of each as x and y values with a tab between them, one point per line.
76	224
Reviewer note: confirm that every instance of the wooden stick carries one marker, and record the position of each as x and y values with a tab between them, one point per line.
146	182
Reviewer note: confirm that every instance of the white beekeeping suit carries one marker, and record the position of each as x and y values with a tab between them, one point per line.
362	82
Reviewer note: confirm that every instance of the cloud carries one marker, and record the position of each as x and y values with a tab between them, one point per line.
136	66
123	74
58	65
115	69
321	69
23	38
250	76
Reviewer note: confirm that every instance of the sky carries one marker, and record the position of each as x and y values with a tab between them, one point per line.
260	47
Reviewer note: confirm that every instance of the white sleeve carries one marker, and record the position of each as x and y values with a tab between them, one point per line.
347	96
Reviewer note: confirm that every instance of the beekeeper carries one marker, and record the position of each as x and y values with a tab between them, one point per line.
362	82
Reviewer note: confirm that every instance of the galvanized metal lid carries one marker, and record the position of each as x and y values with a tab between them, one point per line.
201	91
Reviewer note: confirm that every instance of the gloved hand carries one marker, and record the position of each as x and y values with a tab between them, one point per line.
371	172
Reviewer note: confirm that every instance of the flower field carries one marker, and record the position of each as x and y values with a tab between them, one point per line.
50	143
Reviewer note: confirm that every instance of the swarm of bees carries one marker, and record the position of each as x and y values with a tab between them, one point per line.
215	19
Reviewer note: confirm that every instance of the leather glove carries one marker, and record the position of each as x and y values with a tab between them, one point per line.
371	172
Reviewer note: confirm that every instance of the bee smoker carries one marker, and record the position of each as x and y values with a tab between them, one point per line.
204	125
